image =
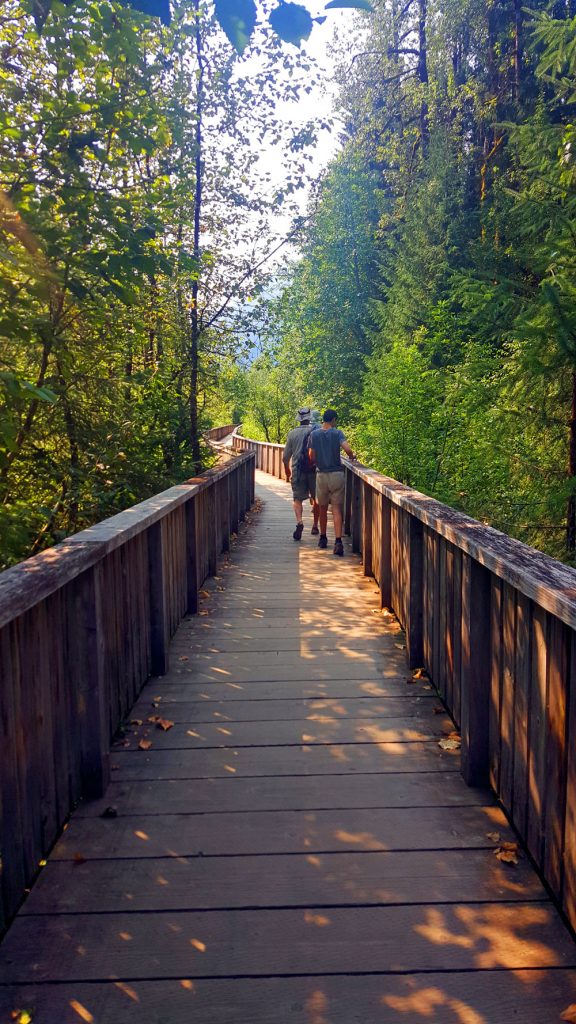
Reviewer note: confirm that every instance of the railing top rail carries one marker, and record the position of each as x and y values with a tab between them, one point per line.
267	444
31	581
547	581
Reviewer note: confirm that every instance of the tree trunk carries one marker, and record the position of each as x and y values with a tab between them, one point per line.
423	75
195	327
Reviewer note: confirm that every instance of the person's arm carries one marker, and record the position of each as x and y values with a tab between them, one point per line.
286	456
346	448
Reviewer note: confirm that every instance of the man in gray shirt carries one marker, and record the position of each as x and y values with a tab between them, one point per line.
325	445
302	477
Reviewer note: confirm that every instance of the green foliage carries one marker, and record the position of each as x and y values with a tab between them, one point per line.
434	301
134	219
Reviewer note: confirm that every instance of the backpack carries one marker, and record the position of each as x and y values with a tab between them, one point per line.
305	463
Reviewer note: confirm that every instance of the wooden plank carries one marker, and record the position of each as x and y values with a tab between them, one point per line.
367	558
475	672
87	654
441	613
297	689
569	865
521	712
267	832
414	594
457	678
356	516
556	756
323	731
532	996
449	629
159	635
537	735
267	942
285	709
295	880
496	635
508	693
333	759
287	793
13	821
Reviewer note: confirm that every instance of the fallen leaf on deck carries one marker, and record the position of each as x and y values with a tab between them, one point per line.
508	853
420	673
401	647
204	612
79	859
153	718
204	593
221	588
449	744
569	1014
135	721
409	679
164	723
183	657
22	1016
145	744
437	710
494	837
110	812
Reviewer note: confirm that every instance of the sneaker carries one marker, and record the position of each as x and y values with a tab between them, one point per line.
298	531
338	548
314	531
323	542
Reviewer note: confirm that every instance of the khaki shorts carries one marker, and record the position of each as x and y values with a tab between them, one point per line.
303	486
330	488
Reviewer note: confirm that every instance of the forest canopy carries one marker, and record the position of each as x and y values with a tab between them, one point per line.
431	291
434	302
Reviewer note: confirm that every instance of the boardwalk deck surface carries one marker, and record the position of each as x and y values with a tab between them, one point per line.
296	847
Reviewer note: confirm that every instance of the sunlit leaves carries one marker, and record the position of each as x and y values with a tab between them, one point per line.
291	22
237	19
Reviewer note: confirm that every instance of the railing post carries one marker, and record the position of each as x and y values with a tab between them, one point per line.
212	514
348	478
93	701
159	637
475	671
415	596
356	515
367	529
386	553
252	479
225	512
191	558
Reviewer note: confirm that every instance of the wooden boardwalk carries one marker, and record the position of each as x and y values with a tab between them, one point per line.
296	847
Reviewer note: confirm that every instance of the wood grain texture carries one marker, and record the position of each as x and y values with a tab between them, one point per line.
395	939
480	997
265	832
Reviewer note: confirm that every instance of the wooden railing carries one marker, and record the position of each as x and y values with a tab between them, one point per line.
492	621
82	626
217	433
268	456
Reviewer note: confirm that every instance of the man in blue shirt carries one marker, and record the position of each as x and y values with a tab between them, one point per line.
325	445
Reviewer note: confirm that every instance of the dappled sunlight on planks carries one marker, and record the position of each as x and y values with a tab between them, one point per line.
494	934
426	1002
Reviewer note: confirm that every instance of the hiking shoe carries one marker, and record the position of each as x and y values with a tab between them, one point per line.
298	531
323	542
314	531
338	548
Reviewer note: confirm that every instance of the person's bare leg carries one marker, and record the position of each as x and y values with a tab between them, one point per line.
337	518
298	510
323	514
315	512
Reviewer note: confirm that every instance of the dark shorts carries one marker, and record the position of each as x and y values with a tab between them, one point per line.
304	486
